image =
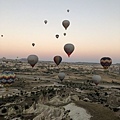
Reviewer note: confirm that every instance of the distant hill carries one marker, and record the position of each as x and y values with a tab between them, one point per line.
23	59
43	61
82	63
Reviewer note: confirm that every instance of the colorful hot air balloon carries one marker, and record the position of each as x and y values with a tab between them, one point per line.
65	24
105	62
96	79
69	48
57	36
45	21
7	78
61	76
33	44
32	60
57	59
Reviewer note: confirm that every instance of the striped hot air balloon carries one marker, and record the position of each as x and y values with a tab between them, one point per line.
7	78
105	62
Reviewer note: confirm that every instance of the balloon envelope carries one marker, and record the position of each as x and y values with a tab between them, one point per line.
57	36
45	21
65	24
64	34
105	62
32	60
96	79
57	59
68	10
69	48
7	77
33	44
61	76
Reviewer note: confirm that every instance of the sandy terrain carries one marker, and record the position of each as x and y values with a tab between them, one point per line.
41	89
77	113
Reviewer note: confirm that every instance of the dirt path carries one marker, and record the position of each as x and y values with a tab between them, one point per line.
98	111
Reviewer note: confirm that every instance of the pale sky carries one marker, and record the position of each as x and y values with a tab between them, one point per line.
94	29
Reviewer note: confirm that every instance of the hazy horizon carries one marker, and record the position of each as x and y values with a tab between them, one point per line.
91	62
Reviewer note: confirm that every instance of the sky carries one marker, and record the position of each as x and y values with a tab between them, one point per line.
94	29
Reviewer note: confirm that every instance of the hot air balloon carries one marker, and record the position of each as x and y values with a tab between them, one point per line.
69	48
96	79
105	62
57	59
1	35
45	21
68	10
32	60
57	36
7	78
33	44
65	24
61	76
64	34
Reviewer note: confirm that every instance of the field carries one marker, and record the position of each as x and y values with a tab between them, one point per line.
40	95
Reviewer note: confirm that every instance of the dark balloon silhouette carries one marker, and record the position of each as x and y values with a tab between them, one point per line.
69	48
64	34
32	60
105	62
57	59
65	24
33	44
68	10
45	21
57	36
